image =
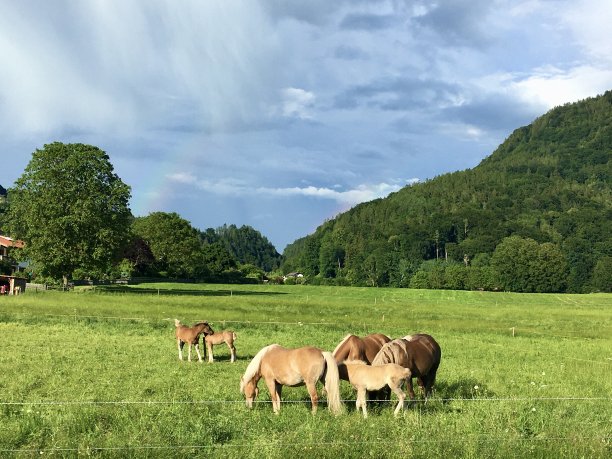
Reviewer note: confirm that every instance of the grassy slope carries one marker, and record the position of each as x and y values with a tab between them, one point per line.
97	347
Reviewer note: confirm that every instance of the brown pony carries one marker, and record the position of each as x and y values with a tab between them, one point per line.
364	377
280	367
419	353
355	348
190	335
225	336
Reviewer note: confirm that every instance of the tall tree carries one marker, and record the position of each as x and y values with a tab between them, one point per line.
70	209
175	244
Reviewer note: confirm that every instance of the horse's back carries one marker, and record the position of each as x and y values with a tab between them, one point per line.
353	347
292	366
372	345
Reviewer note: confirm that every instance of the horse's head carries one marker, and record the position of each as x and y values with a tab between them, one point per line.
205	328
250	390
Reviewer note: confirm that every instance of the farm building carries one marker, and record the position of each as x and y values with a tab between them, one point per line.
12	285
7	243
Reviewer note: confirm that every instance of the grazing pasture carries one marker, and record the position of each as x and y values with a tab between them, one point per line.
95	372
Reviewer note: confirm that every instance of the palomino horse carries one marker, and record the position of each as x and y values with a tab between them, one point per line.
419	353
280	366
225	336
191	336
355	348
364	377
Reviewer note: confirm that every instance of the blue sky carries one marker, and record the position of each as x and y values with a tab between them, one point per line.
280	114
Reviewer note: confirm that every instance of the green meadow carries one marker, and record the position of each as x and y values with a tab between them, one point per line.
95	372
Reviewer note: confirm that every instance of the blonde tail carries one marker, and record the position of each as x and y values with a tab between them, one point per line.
177	322
332	384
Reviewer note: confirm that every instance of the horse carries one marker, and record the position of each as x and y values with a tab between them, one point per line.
280	366
225	336
419	353
355	348
364	377
190	335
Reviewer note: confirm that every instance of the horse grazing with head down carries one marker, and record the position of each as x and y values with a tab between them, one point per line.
191	336
419	353
280	367
355	348
224	336
364	377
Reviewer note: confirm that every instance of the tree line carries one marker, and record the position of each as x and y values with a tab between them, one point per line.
72	211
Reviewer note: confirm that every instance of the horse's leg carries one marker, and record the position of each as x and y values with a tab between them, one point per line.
275	389
232	351
209	347
180	345
410	388
189	353
361	401
314	397
401	396
197	348
422	380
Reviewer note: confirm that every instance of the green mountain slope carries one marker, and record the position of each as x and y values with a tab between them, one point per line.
549	182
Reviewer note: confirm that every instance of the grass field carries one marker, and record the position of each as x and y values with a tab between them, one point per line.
95	373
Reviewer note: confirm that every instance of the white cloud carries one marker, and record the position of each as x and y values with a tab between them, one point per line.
233	187
550	87
297	103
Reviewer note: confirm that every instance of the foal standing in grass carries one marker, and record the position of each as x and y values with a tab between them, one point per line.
190	335
224	336
364	377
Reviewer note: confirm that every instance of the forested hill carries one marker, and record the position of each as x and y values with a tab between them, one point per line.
548	185
245	244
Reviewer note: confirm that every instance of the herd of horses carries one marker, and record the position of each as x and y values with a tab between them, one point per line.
375	363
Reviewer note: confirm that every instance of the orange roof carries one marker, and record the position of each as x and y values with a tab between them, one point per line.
6	241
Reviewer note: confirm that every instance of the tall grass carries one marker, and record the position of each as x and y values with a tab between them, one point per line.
97	372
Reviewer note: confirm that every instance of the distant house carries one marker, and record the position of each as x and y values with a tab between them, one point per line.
292	276
6	244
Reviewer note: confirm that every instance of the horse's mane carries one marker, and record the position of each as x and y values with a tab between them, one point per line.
390	352
409	337
254	365
341	343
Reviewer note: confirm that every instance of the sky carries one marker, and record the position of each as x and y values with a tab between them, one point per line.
281	114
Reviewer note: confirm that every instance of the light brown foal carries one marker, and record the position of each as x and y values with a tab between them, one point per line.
190	335
225	336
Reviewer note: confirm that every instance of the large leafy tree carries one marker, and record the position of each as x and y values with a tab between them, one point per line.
175	244
71	209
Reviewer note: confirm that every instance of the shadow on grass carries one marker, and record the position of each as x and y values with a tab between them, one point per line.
182	291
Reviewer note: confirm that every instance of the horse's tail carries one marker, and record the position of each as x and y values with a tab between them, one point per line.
332	384
177	322
234	336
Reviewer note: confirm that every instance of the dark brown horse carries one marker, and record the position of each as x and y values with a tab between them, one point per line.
419	353
355	348
191	336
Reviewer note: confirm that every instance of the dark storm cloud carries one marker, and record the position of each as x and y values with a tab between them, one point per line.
368	22
458	22
398	94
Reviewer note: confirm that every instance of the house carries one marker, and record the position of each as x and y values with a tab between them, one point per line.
293	276
6	243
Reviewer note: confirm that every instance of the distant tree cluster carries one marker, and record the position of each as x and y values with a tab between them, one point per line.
535	216
71	210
